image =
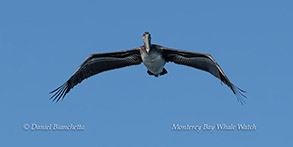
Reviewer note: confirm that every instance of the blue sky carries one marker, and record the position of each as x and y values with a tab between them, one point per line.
43	42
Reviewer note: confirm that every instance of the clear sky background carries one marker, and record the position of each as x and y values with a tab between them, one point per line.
43	42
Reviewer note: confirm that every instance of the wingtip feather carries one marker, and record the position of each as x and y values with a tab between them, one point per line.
59	93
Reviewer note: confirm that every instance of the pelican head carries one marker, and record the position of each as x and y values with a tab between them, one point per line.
147	41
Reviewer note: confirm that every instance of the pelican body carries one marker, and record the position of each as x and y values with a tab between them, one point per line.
151	57
154	57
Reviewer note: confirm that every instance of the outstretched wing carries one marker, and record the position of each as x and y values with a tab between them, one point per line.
204	62
97	63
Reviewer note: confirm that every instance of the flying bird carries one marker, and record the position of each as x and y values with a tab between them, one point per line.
154	57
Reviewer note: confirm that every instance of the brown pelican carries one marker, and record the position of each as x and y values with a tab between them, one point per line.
154	57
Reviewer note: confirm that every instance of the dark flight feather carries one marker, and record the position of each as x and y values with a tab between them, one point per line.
97	63
204	62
